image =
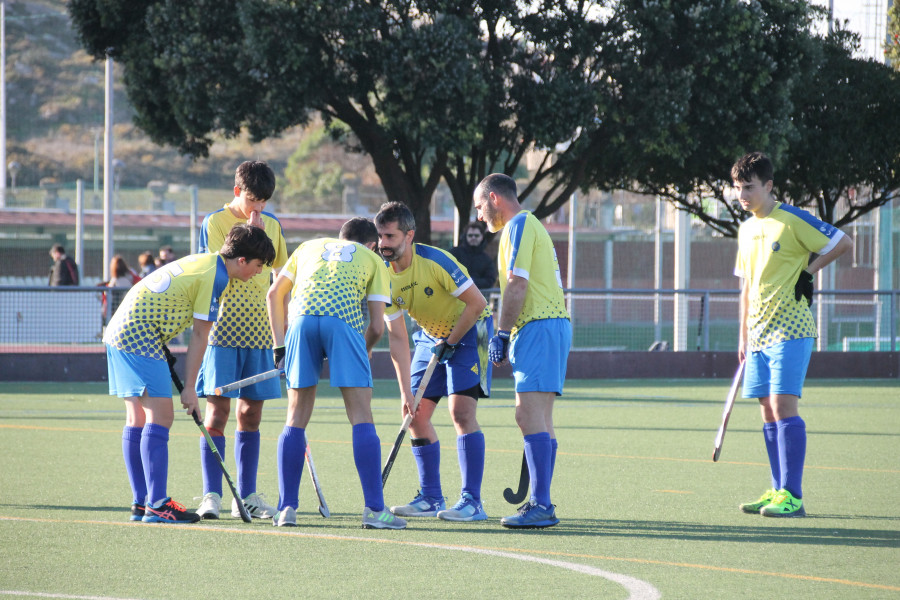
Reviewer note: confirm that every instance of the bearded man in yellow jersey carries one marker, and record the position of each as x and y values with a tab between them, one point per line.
455	323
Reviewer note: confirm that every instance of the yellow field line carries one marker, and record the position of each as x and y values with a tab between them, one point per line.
491	450
642	561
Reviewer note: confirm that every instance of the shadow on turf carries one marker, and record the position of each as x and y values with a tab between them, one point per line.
790	534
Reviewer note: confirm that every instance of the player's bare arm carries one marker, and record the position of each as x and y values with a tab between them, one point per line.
513	301
475	303
376	324
823	260
276	304
742	325
193	360
400	356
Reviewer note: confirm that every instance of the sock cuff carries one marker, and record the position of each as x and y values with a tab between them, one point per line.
132	434
156	430
427	449
244	436
791	422
543	436
476	437
289	432
364	429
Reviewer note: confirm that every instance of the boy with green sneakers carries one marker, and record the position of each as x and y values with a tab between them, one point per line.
777	330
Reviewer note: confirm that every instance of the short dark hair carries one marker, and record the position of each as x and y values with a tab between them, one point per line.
249	242
256	178
57	248
359	230
501	184
396	212
754	163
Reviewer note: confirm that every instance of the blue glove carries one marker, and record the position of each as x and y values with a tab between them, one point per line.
444	351
278	354
499	347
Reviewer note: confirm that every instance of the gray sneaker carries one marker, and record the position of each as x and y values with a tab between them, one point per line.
382	519
421	506
256	506
210	506
286	517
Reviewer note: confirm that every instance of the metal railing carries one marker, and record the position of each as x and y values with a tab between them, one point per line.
70	319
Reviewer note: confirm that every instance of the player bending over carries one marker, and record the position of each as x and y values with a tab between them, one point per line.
325	281
159	307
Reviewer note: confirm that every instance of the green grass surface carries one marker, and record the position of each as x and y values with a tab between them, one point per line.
636	490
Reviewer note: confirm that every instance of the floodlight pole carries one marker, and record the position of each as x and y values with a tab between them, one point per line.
3	103
108	175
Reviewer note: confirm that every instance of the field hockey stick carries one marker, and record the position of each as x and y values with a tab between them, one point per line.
426	378
245	515
516	497
249	381
726	413
323	508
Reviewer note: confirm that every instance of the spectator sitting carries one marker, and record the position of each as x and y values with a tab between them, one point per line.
147	264
64	270
470	252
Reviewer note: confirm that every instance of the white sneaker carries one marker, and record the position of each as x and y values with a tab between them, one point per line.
285	518
256	506
467	509
421	506
210	506
381	519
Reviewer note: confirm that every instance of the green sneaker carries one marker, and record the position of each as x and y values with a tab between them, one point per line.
765	499
784	505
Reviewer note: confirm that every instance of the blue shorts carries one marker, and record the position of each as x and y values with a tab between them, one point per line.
778	369
222	366
467	368
538	355
310	339
130	375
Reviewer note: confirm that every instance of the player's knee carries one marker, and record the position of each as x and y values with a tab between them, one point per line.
249	415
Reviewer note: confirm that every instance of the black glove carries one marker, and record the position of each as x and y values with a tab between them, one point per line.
444	351
804	287
278	354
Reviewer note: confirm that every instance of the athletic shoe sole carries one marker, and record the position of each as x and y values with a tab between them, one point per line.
539	525
445	517
800	512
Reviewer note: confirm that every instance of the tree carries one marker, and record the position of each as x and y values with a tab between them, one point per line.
845	158
439	90
892	46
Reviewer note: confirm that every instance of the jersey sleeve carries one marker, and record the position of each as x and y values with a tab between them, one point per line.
206	302
379	288
521	247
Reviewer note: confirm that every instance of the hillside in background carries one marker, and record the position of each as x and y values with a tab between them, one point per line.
55	108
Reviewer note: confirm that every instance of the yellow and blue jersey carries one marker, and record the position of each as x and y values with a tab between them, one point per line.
166	302
772	252
333	277
527	251
429	291
243	320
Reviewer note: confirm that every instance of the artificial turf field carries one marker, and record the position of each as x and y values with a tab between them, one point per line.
644	511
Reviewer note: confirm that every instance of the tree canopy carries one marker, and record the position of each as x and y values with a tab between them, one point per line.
658	95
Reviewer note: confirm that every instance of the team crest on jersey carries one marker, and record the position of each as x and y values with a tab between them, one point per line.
776	246
429	291
338	252
401	301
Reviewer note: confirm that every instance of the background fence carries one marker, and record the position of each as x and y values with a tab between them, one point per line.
70	319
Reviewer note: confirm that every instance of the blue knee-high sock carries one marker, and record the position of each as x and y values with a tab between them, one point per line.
246	457
538	453
770	433
792	454
367	456
291	450
554	445
470	448
155	458
428	460
131	450
209	464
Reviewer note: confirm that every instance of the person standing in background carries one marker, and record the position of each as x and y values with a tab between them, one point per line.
64	270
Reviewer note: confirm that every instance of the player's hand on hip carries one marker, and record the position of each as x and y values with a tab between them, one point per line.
499	348
443	351
804	287
278	355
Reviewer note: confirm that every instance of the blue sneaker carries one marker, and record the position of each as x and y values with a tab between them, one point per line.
421	506
532	515
467	509
168	511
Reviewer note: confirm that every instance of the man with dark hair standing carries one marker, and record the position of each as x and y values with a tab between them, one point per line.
64	270
471	254
240	346
534	334
777	330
